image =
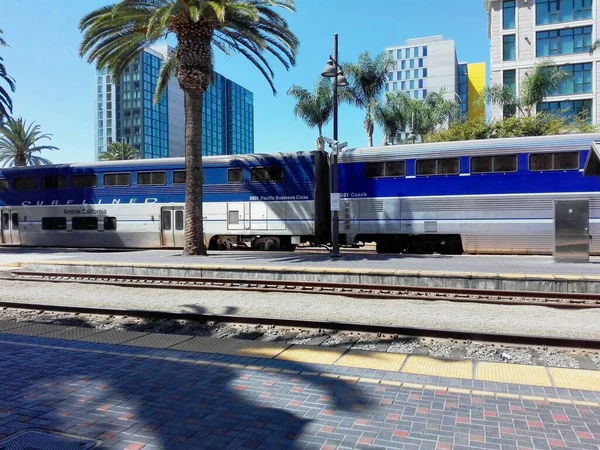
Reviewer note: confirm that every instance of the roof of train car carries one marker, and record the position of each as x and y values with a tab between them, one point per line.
462	148
254	158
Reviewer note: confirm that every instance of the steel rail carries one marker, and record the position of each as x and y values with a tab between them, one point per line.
523	340
368	291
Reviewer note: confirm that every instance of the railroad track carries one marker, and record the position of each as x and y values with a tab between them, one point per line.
381	292
495	339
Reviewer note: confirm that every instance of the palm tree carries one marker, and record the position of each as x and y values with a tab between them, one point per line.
540	82
424	116
19	143
315	107
367	80
391	116
114	35
5	100
118	151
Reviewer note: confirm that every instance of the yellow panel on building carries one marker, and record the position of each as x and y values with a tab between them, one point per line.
475	84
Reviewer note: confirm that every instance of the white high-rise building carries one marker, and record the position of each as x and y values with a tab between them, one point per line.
523	32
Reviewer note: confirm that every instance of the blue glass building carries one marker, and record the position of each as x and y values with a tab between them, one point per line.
126	112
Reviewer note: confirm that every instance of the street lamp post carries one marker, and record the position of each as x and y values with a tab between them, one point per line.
334	70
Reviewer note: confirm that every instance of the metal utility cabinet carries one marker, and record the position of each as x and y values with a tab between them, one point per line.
571	231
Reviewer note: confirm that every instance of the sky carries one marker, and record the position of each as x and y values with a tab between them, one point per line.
55	87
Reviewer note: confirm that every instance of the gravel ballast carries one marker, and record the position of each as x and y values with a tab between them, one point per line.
471	317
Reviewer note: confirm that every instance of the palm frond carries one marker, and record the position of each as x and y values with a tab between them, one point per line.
19	143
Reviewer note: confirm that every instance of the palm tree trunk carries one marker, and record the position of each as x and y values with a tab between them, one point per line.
194	229
20	161
369	130
320	141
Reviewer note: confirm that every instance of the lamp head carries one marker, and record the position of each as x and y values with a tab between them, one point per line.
330	70
341	80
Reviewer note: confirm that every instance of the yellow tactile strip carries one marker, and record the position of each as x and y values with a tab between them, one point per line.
349	379
424	365
413	364
513	373
308	354
317	270
588	380
372	360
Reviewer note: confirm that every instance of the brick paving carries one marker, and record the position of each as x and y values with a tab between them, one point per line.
132	398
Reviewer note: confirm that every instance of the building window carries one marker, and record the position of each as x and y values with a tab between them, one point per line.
558	11
569	109
117	179
391	76
564	42
420	62
385	169
509	49
54	223
155	178
554	161
425	51
412	64
580	81
445	166
403	64
508	15
425	72
424	93
412	84
84	223
407	53
490	164
54	182
509	80
25	184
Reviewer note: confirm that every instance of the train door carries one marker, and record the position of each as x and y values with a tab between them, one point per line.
238	216
10	226
172	224
258	216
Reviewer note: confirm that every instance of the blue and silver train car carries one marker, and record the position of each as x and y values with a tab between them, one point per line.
491	196
257	201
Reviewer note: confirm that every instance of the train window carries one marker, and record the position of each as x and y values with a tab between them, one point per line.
179	177
275	173
235	176
179	220
385	169
84	223
482	164
155	178
5	218
554	161
447	166
15	221
489	164
110	223
54	182
505	163
374	169
259	174
117	179
426	167
566	161
395	168
84	181
444	166
54	223
166	220
25	184
3	184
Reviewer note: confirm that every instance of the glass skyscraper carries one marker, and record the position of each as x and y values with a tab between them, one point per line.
126	112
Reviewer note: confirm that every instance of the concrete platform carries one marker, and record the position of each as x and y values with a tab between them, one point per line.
528	273
141	395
